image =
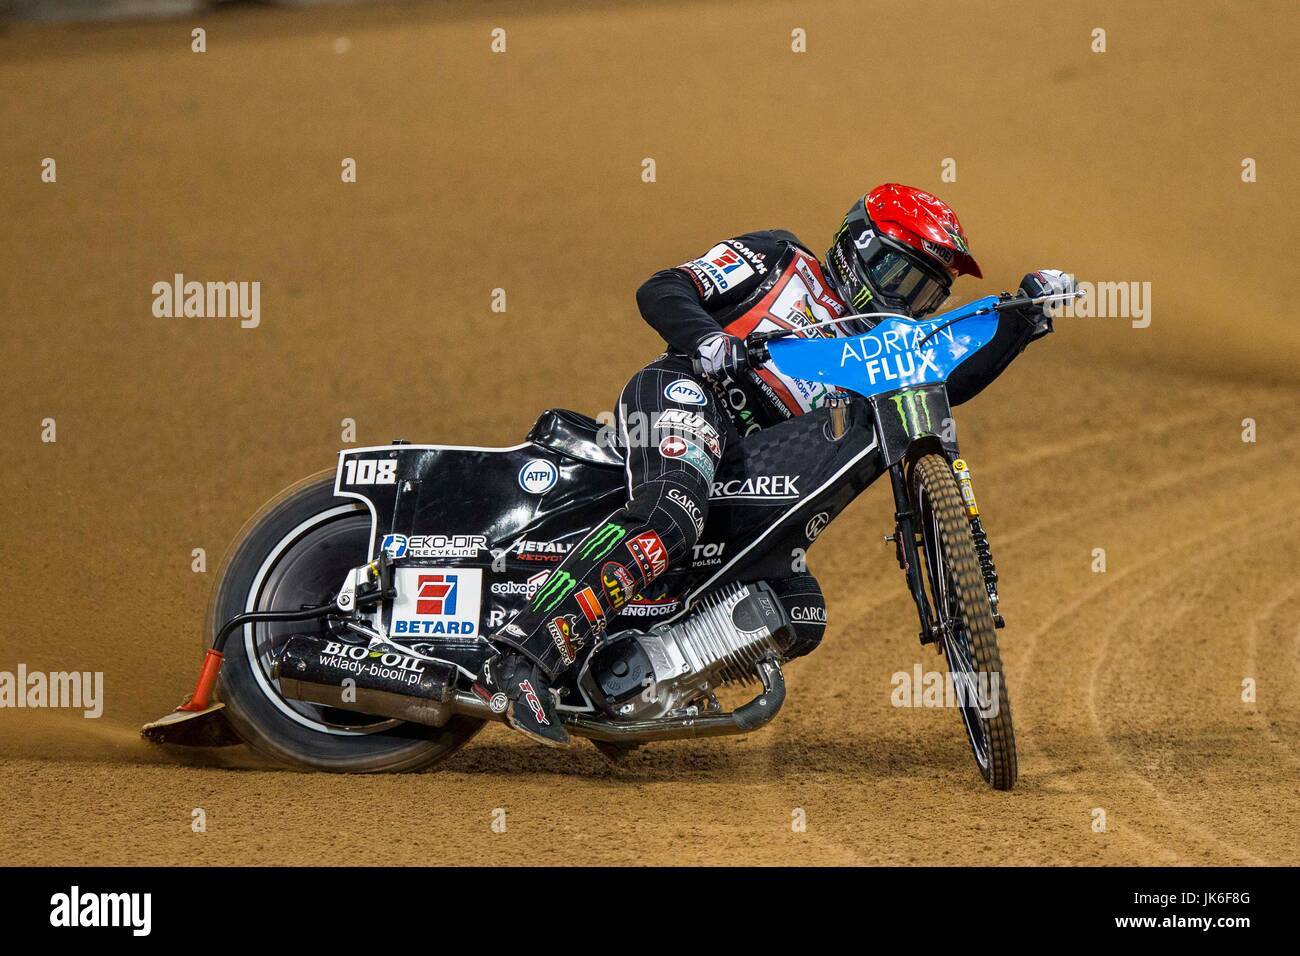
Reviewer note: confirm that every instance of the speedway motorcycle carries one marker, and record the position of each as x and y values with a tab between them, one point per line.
348	621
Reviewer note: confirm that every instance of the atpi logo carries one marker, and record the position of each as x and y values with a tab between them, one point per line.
538	476
685	392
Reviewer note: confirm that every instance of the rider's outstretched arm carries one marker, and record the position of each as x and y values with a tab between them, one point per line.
1016	329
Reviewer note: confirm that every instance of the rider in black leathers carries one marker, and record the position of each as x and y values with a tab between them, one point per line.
897	251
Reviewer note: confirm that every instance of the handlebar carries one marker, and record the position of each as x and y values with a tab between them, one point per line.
1019	301
756	350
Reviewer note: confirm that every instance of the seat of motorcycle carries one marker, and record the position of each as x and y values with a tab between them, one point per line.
575	435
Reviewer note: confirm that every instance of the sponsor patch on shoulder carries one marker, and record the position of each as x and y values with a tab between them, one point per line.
674	447
718	270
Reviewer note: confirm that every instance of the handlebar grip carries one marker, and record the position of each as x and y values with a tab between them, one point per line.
755	354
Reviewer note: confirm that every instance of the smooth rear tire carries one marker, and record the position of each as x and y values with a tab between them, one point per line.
297	551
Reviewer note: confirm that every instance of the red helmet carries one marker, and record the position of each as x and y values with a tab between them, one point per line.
898	250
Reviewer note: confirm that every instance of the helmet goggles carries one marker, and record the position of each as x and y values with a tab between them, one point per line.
900	277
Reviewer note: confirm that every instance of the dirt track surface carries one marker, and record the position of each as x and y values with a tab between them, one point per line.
522	171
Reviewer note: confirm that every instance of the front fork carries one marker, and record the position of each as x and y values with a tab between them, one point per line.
905	549
961	471
904	538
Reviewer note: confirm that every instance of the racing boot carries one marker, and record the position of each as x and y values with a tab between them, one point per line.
529	703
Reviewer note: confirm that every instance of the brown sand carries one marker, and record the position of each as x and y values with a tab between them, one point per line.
522	171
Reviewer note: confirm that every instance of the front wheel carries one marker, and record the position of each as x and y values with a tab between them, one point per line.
960	603
296	552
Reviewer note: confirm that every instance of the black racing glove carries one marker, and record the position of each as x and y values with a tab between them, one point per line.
1038	284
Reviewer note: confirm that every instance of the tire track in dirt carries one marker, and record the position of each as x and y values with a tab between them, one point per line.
1275	612
1112	588
1172	571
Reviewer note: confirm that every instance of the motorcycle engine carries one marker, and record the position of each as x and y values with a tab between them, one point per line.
643	675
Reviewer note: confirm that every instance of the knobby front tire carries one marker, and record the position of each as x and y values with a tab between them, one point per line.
960	599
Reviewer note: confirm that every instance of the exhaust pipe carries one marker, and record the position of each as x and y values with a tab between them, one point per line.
382	683
424	691
749	717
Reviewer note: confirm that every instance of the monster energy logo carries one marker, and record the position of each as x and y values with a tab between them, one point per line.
905	403
557	587
602	542
861	297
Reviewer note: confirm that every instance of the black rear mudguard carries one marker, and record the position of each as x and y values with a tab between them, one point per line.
495	517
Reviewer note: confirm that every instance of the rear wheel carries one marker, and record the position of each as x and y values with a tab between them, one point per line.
297	551
960	602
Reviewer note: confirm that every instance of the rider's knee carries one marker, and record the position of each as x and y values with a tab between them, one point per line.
801	596
675	504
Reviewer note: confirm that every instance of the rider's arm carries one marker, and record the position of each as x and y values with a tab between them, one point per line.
1016	329
680	303
973	376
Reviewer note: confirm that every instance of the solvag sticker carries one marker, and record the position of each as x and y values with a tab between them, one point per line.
685	392
538	476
